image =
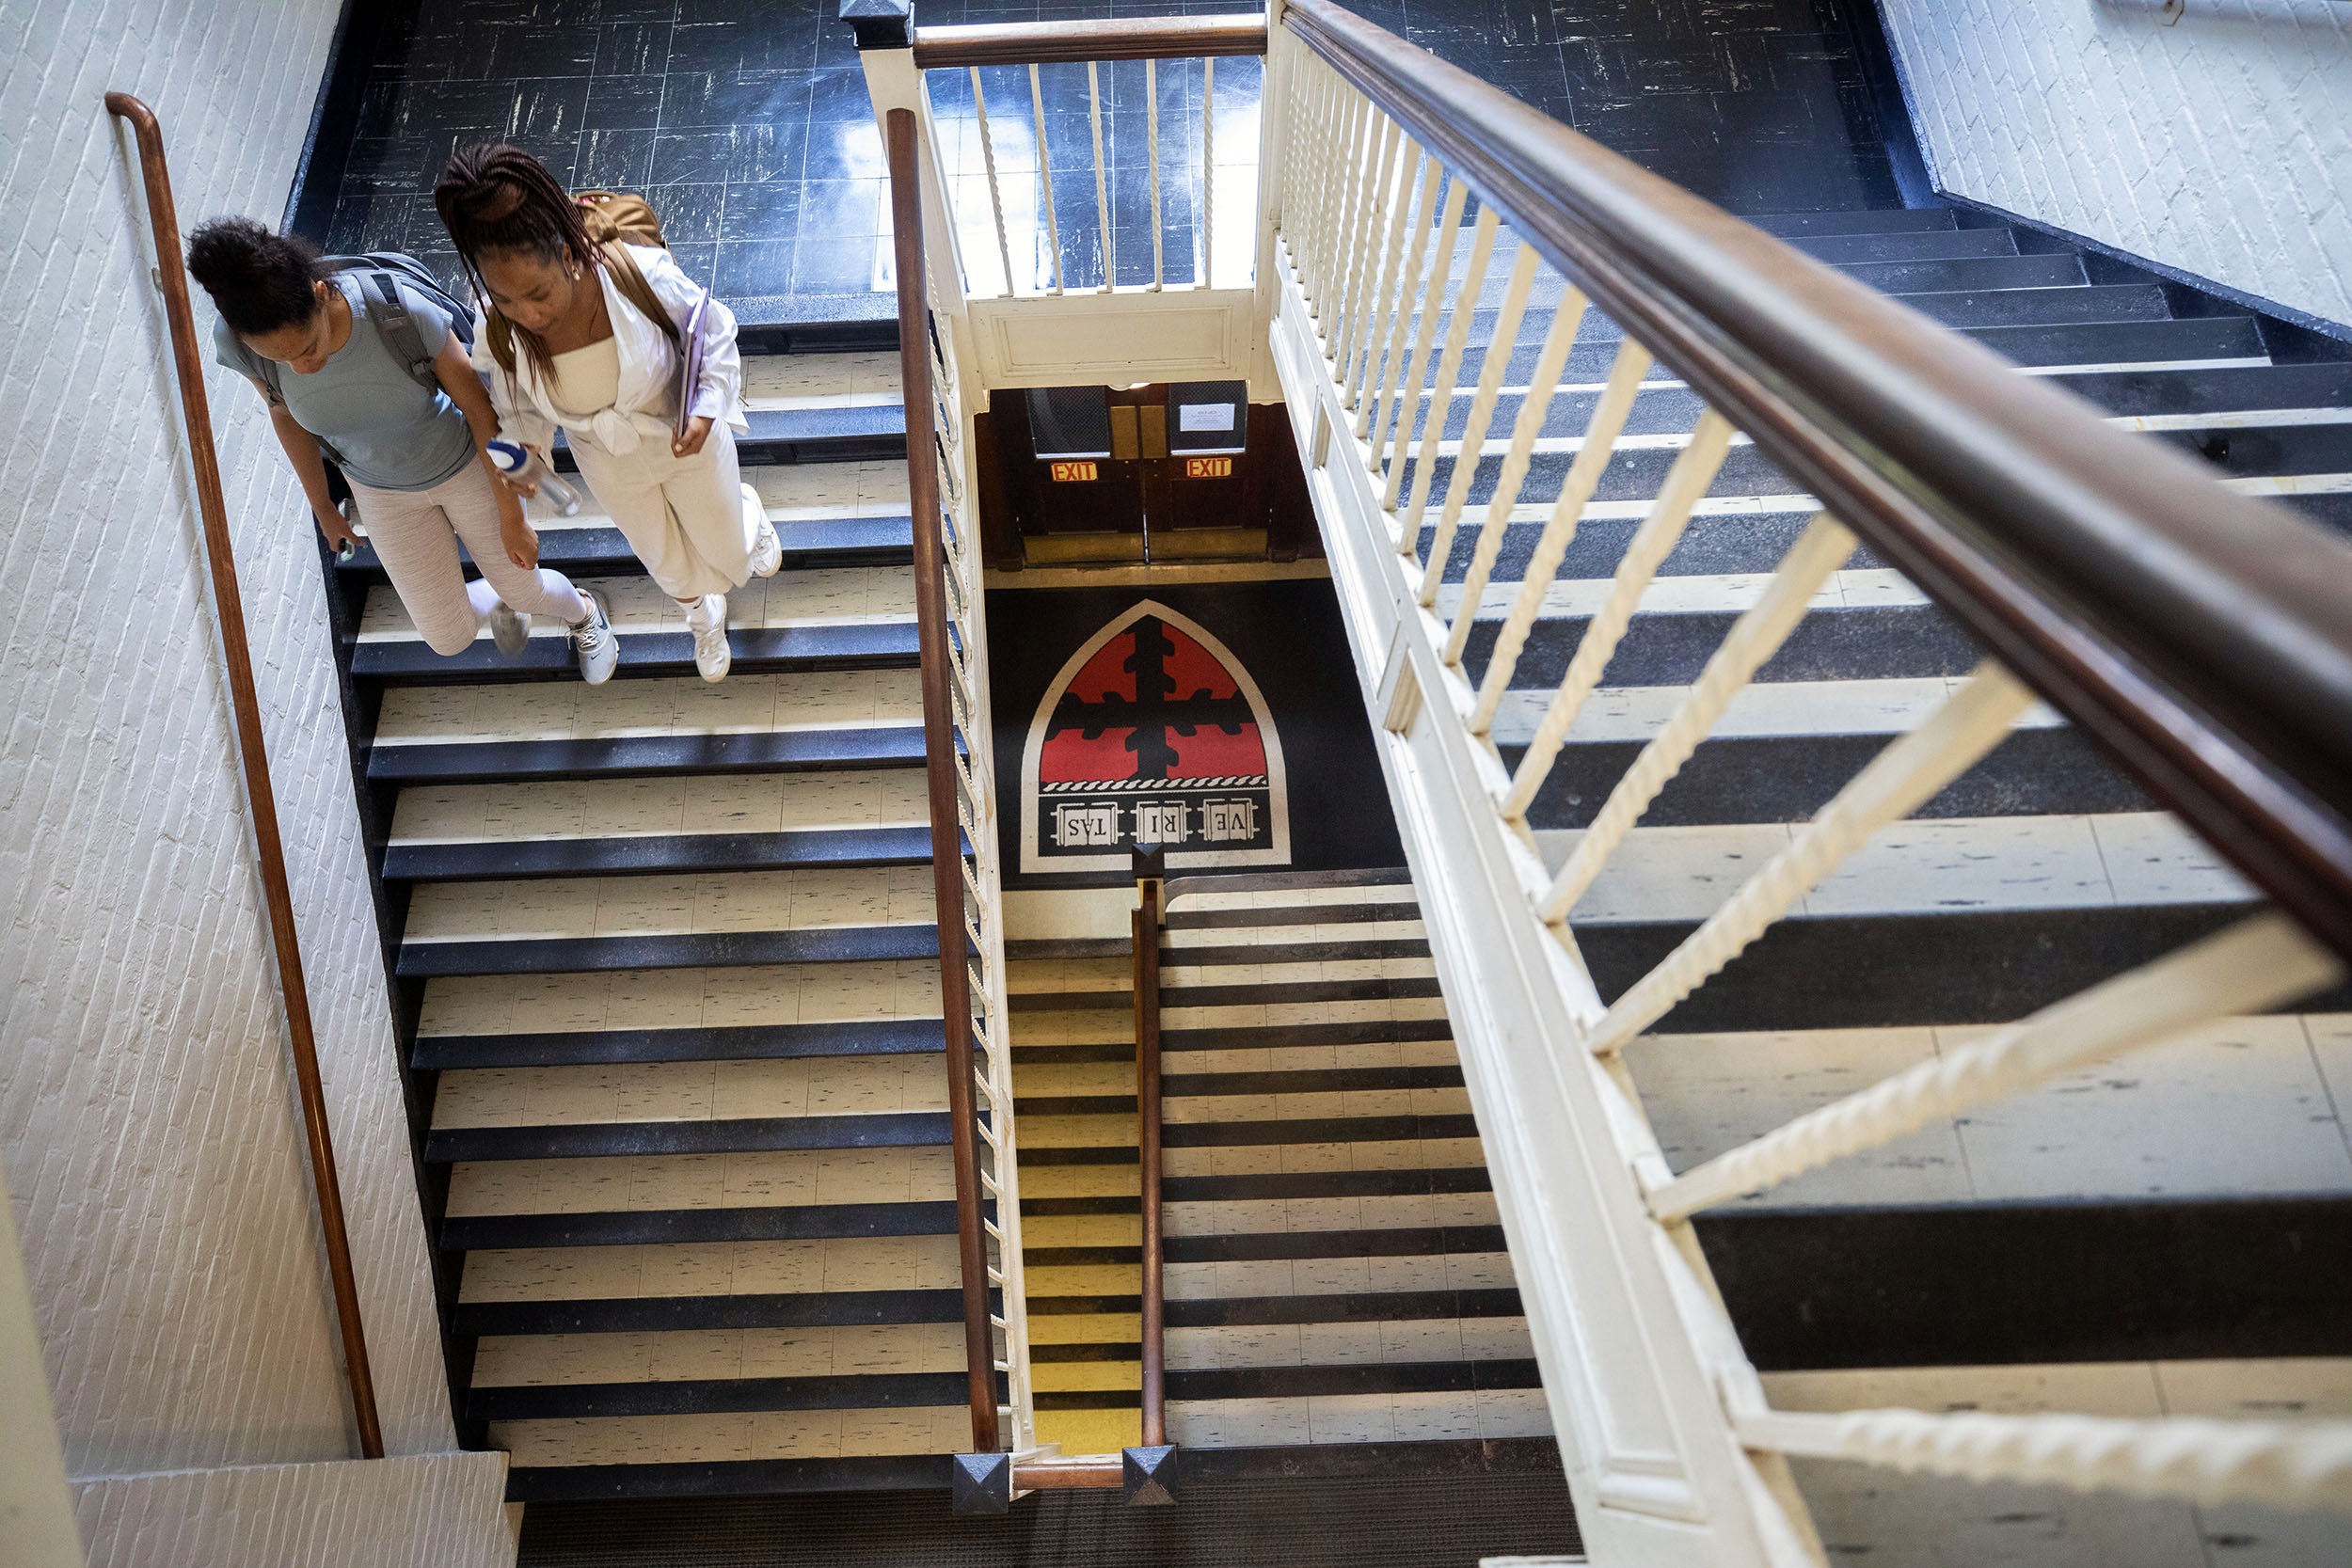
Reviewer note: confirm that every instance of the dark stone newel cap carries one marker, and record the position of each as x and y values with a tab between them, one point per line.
880	23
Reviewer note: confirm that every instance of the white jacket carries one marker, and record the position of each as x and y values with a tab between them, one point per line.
649	364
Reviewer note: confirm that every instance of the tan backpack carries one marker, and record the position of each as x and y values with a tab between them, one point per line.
614	221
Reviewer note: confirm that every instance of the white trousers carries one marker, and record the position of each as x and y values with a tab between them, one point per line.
416	533
686	517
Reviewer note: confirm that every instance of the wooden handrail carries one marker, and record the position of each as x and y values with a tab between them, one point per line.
2204	640
939	751
252	748
1146	929
1142	37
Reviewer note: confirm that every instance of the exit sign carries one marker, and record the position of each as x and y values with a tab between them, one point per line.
1074	473
1208	468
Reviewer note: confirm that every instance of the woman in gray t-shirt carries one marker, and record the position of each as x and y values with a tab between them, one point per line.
411	452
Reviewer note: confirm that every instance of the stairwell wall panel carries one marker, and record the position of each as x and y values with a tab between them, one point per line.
2216	144
148	1120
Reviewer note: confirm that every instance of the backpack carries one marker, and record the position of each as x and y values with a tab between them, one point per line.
614	221
377	271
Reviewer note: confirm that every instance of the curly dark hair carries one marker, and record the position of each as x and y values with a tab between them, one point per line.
260	281
498	197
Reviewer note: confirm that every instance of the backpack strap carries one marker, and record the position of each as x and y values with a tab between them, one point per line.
631	282
394	322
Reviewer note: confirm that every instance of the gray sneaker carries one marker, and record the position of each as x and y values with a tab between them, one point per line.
510	628
593	640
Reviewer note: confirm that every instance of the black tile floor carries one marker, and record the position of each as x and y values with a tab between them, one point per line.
751	129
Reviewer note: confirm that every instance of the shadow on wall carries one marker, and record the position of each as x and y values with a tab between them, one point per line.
1222	720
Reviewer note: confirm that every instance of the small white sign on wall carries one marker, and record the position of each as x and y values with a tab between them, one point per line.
1205	416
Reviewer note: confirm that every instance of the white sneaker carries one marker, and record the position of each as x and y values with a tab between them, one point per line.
510	628
593	640
767	549
707	621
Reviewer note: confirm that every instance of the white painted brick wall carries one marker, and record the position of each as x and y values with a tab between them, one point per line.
428	1511
146	1115
2221	144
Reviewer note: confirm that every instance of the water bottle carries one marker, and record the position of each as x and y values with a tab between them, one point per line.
518	463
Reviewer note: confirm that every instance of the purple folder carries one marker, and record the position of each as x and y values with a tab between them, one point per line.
690	363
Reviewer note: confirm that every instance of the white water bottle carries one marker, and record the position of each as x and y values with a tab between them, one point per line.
519	463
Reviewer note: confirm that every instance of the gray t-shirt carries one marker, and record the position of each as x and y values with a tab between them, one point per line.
391	431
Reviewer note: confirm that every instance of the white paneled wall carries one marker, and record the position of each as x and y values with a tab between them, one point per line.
147	1118
2217	144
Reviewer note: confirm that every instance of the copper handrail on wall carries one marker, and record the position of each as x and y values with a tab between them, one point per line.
939	752
1143	37
2202	638
188	366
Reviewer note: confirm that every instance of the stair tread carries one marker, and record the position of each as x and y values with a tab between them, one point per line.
742	1042
686	1227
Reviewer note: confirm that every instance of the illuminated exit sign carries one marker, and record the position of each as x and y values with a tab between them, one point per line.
1075	473
1208	468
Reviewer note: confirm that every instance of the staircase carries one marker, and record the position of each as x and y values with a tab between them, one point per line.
670	951
1336	1269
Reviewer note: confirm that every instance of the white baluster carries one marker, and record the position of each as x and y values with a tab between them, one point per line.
1434	408
1969	723
1151	107
2285	1465
1376	308
1754	638
996	196
1102	185
1208	171
1692	472
1567	509
1424	208
1534	405
2254	966
1045	177
1482	408
1363	255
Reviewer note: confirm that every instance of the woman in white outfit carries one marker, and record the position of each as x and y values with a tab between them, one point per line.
588	337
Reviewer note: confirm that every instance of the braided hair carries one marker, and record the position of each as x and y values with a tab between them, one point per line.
498	197
260	281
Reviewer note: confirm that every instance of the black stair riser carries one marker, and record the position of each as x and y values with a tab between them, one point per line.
605	551
1927	246
481	862
1723	545
725	1135
1966	307
783	436
1315	1129
644	655
1174	961
1093	1355
2011	271
722	950
1633	475
1290	915
1859	971
555	1483
1395	1307
1322	1183
1432	1242
2037	772
1830	644
1276	1037
710	1397
683	1314
737	1043
2227	389
642	756
1089	1399
1298	992
1409	1377
1319	1081
2010	1283
2269	452
1901	220
696	1226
